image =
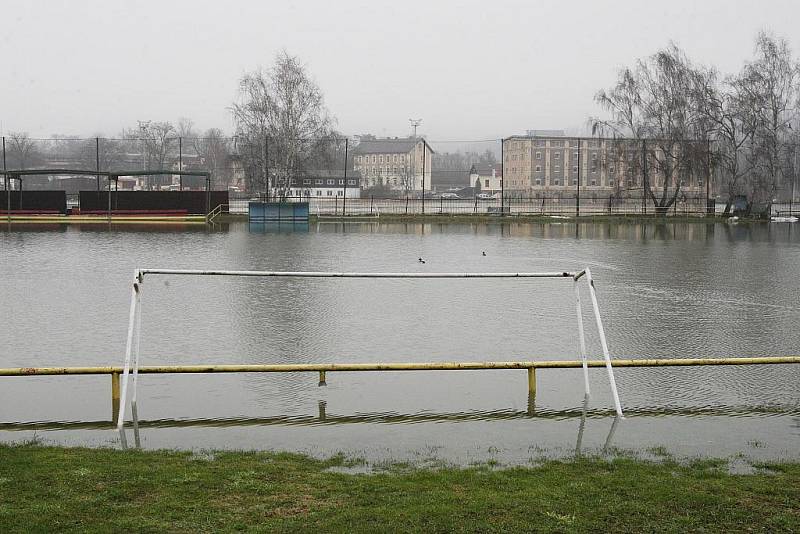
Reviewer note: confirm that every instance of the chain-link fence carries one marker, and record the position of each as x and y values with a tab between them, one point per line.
352	176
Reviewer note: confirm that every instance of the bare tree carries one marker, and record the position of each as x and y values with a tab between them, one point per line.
155	139
110	152
656	105
185	128
21	151
770	85
285	108
214	152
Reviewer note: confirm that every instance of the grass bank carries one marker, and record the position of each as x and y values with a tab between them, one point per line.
61	489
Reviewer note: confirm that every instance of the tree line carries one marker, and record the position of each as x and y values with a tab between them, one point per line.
740	129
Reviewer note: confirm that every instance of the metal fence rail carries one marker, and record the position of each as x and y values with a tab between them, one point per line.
323	368
545	205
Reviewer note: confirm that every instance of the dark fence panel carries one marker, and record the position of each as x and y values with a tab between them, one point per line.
44	201
194	202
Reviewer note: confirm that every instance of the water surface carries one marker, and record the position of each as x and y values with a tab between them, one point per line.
666	291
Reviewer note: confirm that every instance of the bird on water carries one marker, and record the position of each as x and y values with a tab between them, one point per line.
421	260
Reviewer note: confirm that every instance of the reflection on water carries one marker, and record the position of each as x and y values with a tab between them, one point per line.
665	290
278	227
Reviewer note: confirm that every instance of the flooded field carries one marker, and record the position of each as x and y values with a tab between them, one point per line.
665	291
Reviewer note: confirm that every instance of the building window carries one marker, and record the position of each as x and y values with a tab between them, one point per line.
594	168
538	181
558	168
538	168
594	156
594	182
574	168
611	183
487	184
611	170
557	155
330	193
318	182
319	193
557	182
538	155
394	158
374	159
351	182
331	182
306	182
574	181
380	159
575	155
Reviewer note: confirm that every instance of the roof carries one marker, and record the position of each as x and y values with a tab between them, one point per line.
485	169
397	145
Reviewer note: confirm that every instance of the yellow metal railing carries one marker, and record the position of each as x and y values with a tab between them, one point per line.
324	368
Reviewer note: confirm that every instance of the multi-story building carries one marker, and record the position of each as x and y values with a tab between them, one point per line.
535	164
394	163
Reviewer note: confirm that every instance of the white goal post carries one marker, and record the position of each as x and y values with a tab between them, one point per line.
131	365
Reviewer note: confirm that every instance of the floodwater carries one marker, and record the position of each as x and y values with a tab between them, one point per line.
666	291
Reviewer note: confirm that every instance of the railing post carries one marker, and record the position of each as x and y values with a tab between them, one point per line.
322	381
532	381
114	397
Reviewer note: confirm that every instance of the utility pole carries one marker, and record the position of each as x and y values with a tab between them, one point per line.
423	176
644	176
344	182
180	163
97	159
578	197
502	176
414	124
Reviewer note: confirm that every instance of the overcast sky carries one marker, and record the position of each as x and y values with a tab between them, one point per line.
470	70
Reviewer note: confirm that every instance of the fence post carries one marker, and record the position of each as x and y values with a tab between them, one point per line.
180	163
475	210
406	204
441	203
97	159
344	198
371	198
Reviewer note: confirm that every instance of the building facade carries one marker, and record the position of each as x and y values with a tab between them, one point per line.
324	184
399	164
549	165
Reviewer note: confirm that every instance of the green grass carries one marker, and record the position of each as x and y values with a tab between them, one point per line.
66	489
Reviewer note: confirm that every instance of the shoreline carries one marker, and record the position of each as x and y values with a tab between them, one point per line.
506	219
57	488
